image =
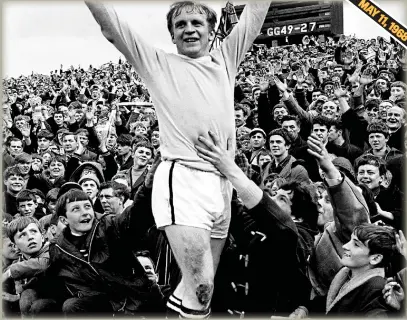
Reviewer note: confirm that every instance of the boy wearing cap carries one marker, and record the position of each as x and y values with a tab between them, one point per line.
90	184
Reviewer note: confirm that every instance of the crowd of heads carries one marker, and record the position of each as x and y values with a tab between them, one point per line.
88	137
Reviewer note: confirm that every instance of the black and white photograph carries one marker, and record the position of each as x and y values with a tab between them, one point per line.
126	123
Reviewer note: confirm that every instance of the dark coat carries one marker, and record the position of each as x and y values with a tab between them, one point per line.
347	150
392	200
111	269
126	165
396	166
396	139
273	269
42	182
289	169
9	204
309	162
134	184
357	128
360	296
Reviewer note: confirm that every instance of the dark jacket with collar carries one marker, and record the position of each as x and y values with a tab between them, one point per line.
134	184
346	150
127	164
296	145
289	168
252	154
110	269
390	153
358	296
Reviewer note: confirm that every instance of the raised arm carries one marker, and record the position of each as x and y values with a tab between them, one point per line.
138	52
235	46
350	208
292	104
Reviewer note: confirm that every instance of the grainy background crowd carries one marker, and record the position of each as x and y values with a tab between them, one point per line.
96	129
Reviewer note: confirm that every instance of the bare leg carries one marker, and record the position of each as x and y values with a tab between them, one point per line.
192	250
216	248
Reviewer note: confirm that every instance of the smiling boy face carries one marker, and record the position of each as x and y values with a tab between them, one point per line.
79	217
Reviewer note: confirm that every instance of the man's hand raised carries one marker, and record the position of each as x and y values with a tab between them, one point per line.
318	150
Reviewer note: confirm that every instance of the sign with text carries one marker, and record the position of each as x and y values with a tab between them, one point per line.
397	30
294	19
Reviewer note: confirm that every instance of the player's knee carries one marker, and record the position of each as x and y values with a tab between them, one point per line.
204	292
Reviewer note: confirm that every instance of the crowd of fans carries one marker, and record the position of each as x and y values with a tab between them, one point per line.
304	114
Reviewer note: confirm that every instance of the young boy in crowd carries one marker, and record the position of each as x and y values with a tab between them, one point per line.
27	204
25	232
357	288
51	200
14	182
94	257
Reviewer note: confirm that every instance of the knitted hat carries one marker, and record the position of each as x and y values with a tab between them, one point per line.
90	176
345	166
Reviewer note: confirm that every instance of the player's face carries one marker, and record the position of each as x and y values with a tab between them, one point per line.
191	34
